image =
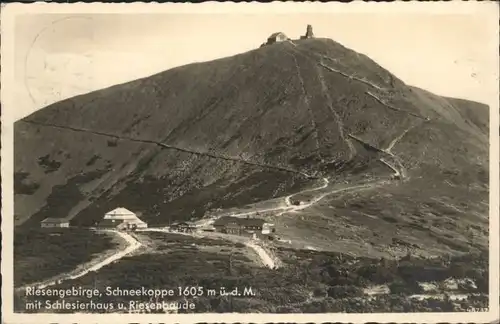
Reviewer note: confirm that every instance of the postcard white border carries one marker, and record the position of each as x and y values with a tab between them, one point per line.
8	14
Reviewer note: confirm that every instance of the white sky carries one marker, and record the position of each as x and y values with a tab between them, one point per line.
61	55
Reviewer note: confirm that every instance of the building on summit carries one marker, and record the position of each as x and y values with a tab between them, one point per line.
309	33
276	38
281	37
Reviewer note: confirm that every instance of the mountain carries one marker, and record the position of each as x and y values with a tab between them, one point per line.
243	129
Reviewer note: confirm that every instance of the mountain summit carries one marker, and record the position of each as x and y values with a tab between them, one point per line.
242	129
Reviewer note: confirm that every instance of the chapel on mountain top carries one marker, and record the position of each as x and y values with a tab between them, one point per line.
281	37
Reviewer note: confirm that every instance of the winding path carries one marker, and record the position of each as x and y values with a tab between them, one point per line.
397	139
288	207
398	169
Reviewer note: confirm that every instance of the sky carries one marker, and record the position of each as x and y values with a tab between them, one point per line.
57	56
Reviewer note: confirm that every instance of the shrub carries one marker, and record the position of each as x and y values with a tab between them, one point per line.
23	187
377	274
112	143
344	291
48	164
320	292
404	288
482	282
458	270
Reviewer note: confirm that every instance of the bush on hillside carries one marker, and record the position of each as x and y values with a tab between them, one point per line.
404	288
377	274
344	291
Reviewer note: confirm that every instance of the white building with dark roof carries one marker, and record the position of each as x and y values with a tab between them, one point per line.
276	38
122	218
120	213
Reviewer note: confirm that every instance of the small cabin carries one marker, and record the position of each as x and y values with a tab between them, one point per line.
183	227
54	223
268	228
132	225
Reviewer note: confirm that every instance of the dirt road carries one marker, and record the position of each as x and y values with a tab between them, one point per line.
264	256
287	198
287	206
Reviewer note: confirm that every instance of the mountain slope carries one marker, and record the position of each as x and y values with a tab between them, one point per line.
238	130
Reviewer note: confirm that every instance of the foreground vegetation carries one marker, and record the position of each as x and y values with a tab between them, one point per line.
339	282
40	254
309	281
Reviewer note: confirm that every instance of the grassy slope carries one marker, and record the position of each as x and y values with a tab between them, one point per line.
62	250
276	105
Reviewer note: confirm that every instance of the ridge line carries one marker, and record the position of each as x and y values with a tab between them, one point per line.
394	108
366	143
351	76
398	138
